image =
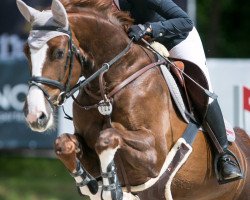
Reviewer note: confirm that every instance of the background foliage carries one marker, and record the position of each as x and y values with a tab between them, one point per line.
224	27
35	179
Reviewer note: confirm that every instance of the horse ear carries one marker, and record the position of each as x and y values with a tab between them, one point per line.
59	13
28	12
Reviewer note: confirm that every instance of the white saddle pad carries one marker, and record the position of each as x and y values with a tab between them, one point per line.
174	90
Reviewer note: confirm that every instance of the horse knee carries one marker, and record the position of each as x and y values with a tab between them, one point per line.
66	144
66	148
108	139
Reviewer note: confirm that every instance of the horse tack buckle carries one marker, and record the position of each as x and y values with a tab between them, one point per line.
60	99
105	107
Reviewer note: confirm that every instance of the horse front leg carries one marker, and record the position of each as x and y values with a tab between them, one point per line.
109	141
66	149
106	147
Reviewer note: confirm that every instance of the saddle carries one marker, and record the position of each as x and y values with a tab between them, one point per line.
194	97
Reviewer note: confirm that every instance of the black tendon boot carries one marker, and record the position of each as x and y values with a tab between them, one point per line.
86	179
114	185
226	164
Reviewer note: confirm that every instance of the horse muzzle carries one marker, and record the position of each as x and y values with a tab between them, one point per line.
38	119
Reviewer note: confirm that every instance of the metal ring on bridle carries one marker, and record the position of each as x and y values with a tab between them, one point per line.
60	99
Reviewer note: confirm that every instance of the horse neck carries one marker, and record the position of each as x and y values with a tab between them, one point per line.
102	41
136	58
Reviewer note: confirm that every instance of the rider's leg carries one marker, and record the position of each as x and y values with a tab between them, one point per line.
227	165
214	116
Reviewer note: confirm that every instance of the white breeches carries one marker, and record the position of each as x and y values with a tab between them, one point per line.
191	49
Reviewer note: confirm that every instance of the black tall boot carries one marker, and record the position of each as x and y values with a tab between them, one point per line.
227	165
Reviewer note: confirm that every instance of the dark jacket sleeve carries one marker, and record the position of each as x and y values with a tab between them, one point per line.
176	20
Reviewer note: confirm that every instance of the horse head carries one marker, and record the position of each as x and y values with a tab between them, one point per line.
52	54
63	46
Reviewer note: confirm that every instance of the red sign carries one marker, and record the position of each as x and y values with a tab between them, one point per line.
246	96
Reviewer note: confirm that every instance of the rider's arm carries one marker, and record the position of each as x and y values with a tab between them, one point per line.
177	21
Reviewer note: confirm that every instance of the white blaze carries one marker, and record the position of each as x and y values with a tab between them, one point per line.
36	101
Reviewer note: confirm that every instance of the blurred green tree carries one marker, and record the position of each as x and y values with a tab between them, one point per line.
224	27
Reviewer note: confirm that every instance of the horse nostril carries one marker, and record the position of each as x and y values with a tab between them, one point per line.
42	119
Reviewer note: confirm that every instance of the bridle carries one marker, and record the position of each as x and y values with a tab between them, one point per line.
65	90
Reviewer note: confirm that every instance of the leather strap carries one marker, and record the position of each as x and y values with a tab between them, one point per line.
43	80
124	174
105	67
102	86
133	77
213	138
51	28
91	94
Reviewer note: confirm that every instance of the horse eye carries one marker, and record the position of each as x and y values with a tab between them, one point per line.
58	54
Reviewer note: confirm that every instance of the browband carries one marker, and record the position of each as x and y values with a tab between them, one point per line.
50	28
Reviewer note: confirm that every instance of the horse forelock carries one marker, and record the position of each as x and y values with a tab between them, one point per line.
70	5
104	7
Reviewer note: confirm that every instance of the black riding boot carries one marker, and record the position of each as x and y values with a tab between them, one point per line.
227	166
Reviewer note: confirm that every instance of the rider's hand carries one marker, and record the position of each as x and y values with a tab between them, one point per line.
138	31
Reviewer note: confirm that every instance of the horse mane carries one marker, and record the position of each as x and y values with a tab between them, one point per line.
101	6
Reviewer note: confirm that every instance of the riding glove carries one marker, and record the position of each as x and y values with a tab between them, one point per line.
138	31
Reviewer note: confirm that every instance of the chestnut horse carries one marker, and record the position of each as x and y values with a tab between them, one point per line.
129	148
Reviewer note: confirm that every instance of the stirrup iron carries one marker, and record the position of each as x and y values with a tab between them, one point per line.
219	176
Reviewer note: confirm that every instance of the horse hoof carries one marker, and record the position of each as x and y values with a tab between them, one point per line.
93	186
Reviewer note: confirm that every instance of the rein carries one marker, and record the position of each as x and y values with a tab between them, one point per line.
133	77
122	84
207	92
105	67
66	91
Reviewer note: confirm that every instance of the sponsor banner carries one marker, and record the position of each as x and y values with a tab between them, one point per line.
14	74
246	97
14	132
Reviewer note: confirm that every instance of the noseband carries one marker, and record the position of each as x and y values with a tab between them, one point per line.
66	91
